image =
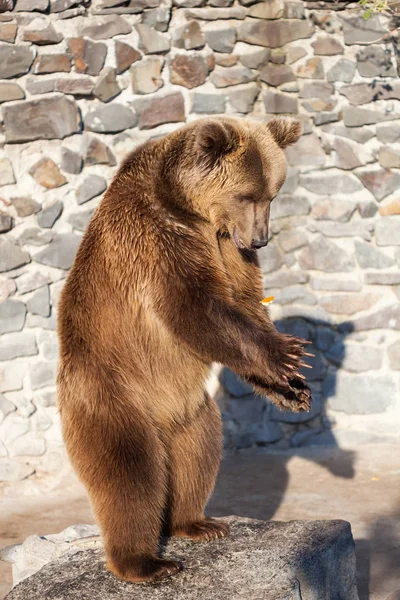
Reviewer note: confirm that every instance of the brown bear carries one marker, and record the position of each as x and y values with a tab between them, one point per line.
166	282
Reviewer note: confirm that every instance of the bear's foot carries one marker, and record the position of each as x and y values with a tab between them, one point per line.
203	531
144	568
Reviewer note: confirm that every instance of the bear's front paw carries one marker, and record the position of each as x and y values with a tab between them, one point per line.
296	397
287	358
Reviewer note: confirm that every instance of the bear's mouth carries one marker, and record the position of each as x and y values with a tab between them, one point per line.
238	242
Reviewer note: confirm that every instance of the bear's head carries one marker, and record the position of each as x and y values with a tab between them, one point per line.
232	169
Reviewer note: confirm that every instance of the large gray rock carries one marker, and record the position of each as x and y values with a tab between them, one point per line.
387	231
12	256
324	255
91	186
15	60
12	316
60	252
47	118
273	34
110	118
20	343
359	394
260	560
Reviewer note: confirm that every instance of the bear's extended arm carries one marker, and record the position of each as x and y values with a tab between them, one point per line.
192	299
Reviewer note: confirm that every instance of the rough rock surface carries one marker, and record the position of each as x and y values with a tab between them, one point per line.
261	560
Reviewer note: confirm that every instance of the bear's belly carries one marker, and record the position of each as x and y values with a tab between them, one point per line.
165	375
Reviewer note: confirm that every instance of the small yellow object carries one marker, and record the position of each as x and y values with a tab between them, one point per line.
374	478
267	300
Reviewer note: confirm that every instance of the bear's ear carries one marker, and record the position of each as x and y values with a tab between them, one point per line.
215	139
285	131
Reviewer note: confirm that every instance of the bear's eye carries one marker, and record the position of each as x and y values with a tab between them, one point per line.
250	198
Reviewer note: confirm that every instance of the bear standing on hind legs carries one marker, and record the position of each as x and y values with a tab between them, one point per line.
165	282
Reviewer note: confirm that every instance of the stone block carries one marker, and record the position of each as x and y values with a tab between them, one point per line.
51	63
159	109
107	87
41	33
96	152
6	172
189	70
378	278
146	75
333	183
42	374
292	239
220	36
252	57
188	36
273	34
337	210
104	28
383	318
111	118
270	258
47	174
48	118
8	32
327	45
208	102
35	237
307	151
15	60
49	214
125	56
71	161
12	256
152	41
277	74
10	91
348	304
242	97
313	68
89	56
32	280
394	356
388	134
380	182
91	186
376	61
39	303
60	252
343	70
369	257
324	255
277	103
353	116
20	343
357	394
287	206
267	10
226	76
357	30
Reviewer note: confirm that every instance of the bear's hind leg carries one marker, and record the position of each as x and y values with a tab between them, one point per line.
194	456
121	460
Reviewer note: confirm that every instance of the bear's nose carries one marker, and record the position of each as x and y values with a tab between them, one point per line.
259	243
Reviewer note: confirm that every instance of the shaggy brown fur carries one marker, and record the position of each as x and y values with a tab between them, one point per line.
165	282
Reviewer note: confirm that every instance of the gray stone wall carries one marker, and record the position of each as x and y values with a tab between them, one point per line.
83	83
